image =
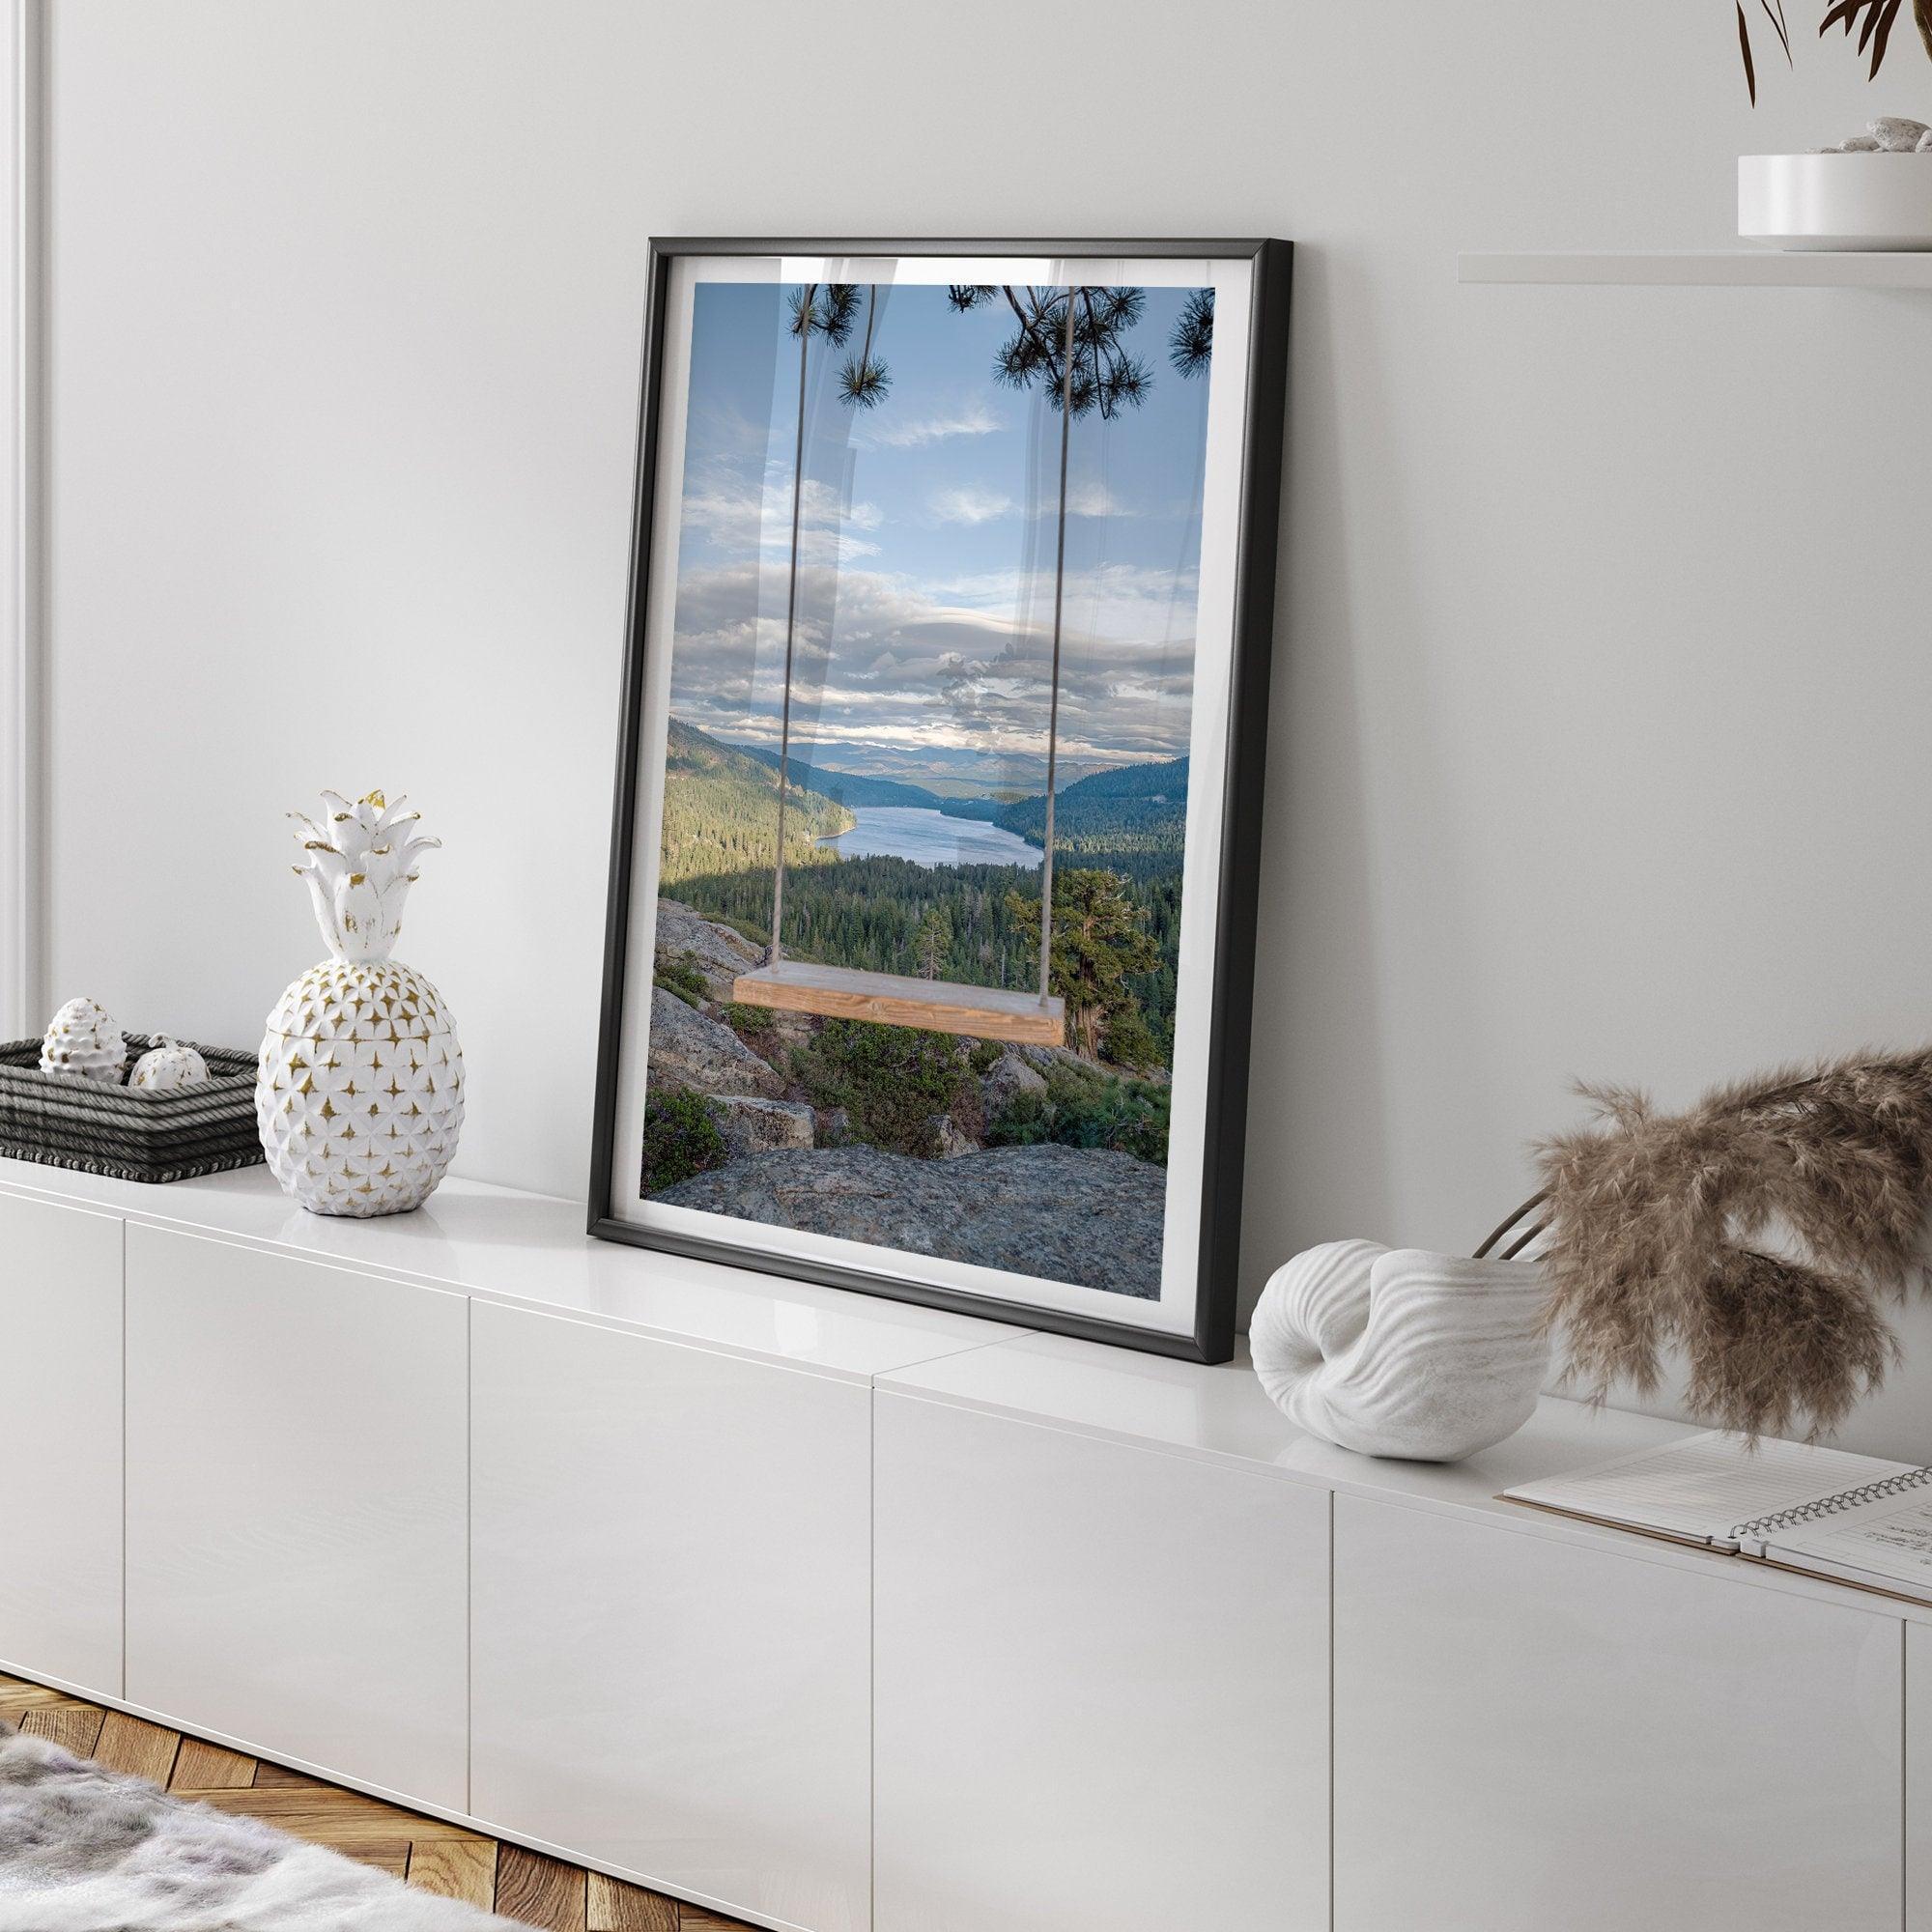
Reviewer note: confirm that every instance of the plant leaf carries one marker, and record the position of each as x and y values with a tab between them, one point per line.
1777	19
1744	47
1884	38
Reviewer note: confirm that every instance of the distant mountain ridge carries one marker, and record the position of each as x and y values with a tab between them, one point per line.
1168	779
845	789
852	790
1130	808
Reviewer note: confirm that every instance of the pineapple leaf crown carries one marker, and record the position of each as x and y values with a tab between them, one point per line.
359	862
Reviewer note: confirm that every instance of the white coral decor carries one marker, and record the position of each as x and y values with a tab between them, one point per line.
83	1040
358	1090
1395	1351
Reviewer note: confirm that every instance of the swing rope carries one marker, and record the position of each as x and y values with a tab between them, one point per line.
808	307
807	304
1053	688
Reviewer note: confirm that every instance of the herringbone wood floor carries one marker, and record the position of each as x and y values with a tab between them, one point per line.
521	1885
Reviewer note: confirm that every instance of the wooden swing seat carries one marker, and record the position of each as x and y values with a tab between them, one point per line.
890	998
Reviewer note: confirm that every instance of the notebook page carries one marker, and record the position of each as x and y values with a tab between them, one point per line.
1889	1539
1705	1485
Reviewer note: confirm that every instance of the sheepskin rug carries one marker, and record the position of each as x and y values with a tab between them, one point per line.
86	1850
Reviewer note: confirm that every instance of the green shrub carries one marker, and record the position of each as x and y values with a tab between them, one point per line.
681	1138
1127	1041
1025	1120
681	975
760	936
758	1027
983	1055
1087	1110
891	1081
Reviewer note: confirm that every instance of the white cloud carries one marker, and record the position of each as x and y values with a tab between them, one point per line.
973	418
913	669
968	505
735	517
1090	499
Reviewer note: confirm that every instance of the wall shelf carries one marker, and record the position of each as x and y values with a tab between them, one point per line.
1735	267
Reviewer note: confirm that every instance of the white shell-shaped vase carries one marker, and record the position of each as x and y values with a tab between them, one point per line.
1396	1351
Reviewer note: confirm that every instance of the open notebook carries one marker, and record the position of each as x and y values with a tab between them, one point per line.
1854	1518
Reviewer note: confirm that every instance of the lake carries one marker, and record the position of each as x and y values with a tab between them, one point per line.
929	838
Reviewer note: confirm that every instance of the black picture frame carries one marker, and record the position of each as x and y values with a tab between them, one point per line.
1257	549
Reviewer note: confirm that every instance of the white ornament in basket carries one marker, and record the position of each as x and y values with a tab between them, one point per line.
358	1090
83	1040
1395	1351
167	1068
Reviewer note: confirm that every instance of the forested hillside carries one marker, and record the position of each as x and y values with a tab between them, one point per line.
1134	810
721	807
869	913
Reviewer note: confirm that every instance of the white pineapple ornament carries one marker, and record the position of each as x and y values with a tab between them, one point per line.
83	1040
168	1066
358	1090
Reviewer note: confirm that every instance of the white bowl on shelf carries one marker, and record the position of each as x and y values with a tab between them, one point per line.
1878	202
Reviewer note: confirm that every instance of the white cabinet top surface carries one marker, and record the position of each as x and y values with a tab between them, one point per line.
1224	1415
532	1250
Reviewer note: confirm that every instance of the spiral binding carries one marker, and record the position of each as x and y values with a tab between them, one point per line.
1761	1527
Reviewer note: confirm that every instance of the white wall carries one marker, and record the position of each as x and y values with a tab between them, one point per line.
23	654
1600	714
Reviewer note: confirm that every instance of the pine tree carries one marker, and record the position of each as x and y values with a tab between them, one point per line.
932	943
1099	941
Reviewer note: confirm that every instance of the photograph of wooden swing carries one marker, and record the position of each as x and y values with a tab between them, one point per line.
932	894
896	999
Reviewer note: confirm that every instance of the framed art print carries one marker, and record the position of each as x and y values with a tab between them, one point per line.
931	923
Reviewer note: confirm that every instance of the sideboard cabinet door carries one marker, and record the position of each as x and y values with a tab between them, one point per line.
1530	1733
1919	1777
1102	1685
296	1509
60	1414
671	1613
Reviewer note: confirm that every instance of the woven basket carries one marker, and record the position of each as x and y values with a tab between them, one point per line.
62	1121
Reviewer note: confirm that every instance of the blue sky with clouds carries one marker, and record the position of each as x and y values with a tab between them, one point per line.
926	558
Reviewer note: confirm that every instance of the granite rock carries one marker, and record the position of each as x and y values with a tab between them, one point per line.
718	953
1059	1214
759	1126
689	1050
1006	1080
953	1140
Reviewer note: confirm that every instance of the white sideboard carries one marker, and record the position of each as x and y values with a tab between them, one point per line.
832	1612
60	1420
